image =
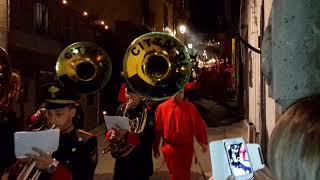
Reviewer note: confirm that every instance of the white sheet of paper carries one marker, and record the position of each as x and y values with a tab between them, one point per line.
46	140
118	122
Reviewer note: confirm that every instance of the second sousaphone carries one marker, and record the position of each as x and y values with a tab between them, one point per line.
157	65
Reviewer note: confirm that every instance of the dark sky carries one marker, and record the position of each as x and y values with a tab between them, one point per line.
208	16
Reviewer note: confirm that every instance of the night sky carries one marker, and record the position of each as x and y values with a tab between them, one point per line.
208	16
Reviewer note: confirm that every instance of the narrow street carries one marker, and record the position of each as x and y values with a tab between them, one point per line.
214	114
250	67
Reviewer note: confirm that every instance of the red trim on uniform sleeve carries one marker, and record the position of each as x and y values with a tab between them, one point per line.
34	118
108	134
133	138
149	108
122	93
61	173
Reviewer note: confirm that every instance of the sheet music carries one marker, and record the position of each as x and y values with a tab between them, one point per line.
46	140
118	122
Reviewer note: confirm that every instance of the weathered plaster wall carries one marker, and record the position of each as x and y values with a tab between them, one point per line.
295	50
253	18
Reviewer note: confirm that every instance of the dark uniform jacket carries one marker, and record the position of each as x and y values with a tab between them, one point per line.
77	153
138	164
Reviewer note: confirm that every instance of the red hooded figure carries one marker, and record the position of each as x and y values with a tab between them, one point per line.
177	122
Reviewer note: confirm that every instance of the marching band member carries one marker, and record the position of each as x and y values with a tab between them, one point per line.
177	121
76	157
137	164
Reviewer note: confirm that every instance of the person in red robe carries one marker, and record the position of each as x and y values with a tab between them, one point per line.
177	122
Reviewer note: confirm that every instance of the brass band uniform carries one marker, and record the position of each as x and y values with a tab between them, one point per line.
134	162
76	157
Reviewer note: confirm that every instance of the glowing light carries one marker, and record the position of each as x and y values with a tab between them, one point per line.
106	27
102	22
104	112
182	29
99	58
213	60
64	2
190	46
85	13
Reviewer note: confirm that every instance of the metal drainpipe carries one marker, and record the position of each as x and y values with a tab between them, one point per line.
263	120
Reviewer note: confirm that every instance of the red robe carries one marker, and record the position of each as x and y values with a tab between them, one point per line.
178	124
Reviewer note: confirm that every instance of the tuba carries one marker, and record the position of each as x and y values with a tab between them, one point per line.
119	147
156	66
137	125
84	67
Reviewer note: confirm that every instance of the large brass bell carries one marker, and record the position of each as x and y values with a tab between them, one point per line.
84	67
157	65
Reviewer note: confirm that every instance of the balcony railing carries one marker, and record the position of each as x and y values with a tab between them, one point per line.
52	20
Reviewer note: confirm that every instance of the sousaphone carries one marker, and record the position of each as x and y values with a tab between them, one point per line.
84	67
157	65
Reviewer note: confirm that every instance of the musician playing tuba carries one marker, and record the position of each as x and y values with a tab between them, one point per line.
76	157
134	161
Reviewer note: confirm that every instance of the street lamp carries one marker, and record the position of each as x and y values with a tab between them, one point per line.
182	29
